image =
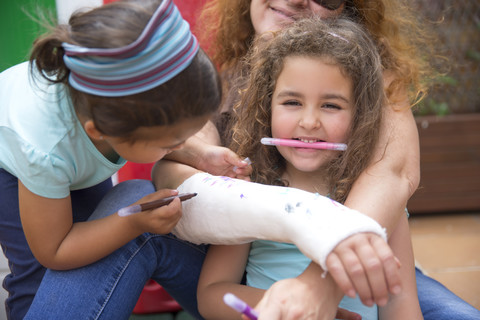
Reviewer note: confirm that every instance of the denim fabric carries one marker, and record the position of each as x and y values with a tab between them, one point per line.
439	303
25	271
109	288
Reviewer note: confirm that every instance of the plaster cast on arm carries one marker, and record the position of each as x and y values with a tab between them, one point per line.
232	211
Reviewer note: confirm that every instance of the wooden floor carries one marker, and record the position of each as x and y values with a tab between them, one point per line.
447	247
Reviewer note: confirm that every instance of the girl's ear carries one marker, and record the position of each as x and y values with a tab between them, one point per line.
92	131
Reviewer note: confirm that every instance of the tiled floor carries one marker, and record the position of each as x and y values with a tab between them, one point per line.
447	247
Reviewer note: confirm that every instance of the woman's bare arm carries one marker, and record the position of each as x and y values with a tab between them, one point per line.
383	189
381	192
404	305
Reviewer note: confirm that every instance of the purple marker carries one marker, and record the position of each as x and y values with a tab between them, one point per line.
236	304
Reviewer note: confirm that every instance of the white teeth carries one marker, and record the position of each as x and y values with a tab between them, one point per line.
308	141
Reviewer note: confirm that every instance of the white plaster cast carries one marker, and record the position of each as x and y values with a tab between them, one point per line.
232	211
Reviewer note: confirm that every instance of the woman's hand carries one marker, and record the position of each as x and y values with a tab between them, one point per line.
309	296
364	264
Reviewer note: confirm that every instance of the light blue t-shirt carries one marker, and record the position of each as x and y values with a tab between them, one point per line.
42	142
269	262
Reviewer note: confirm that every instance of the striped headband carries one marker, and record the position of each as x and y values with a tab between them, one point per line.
164	49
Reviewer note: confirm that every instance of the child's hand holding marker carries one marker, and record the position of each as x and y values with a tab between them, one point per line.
164	212
153	204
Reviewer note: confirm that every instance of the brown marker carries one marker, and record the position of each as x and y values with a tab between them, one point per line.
153	204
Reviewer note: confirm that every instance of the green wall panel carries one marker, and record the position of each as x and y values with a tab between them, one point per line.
18	29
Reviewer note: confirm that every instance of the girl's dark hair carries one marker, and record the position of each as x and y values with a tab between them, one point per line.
194	92
341	43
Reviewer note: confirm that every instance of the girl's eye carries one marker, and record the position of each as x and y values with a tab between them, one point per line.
331	106
291	103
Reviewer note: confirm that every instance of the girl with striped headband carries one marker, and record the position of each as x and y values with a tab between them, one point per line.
125	81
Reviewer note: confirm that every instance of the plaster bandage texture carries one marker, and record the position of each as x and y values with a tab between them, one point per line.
232	211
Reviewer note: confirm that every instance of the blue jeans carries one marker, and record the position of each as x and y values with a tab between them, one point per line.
109	288
25	271
437	302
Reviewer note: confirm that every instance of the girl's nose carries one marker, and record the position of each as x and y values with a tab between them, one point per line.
309	120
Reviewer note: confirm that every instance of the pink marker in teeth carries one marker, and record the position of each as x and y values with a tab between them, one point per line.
301	144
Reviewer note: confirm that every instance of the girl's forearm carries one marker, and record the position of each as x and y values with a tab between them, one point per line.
222	272
191	153
88	242
211	305
57	242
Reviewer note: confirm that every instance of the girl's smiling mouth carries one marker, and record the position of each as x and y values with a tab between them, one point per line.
308	140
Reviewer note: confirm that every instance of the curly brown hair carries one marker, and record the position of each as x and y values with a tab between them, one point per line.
340	42
194	92
227	28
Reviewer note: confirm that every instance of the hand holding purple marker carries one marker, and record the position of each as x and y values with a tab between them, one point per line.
236	304
301	144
